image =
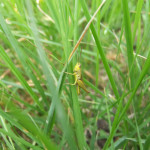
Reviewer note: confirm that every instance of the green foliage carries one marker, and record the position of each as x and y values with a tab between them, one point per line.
38	110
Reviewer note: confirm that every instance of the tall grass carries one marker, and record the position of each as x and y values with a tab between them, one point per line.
39	110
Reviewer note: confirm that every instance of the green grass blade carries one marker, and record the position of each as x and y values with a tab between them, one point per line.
31	128
64	30
105	8
137	128
128	36
13	122
76	108
147	144
101	52
15	138
36	38
98	32
54	12
4	83
137	17
51	84
116	122
142	75
60	113
6	128
18	75
51	80
22	56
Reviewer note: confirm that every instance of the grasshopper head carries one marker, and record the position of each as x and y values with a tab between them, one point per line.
77	67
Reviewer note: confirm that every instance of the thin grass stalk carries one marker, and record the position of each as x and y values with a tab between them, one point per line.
98	32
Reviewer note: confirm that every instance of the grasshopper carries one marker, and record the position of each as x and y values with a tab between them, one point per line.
78	78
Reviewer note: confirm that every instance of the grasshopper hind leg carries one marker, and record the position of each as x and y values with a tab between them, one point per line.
81	85
78	89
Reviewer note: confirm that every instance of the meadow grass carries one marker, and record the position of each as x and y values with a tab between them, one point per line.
39	110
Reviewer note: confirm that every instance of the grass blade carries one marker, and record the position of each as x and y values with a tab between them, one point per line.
117	121
137	17
129	43
12	67
22	56
51	83
101	52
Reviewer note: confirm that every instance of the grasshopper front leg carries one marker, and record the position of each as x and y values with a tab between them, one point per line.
70	73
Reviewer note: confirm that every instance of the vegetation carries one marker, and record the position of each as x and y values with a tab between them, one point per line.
39	110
